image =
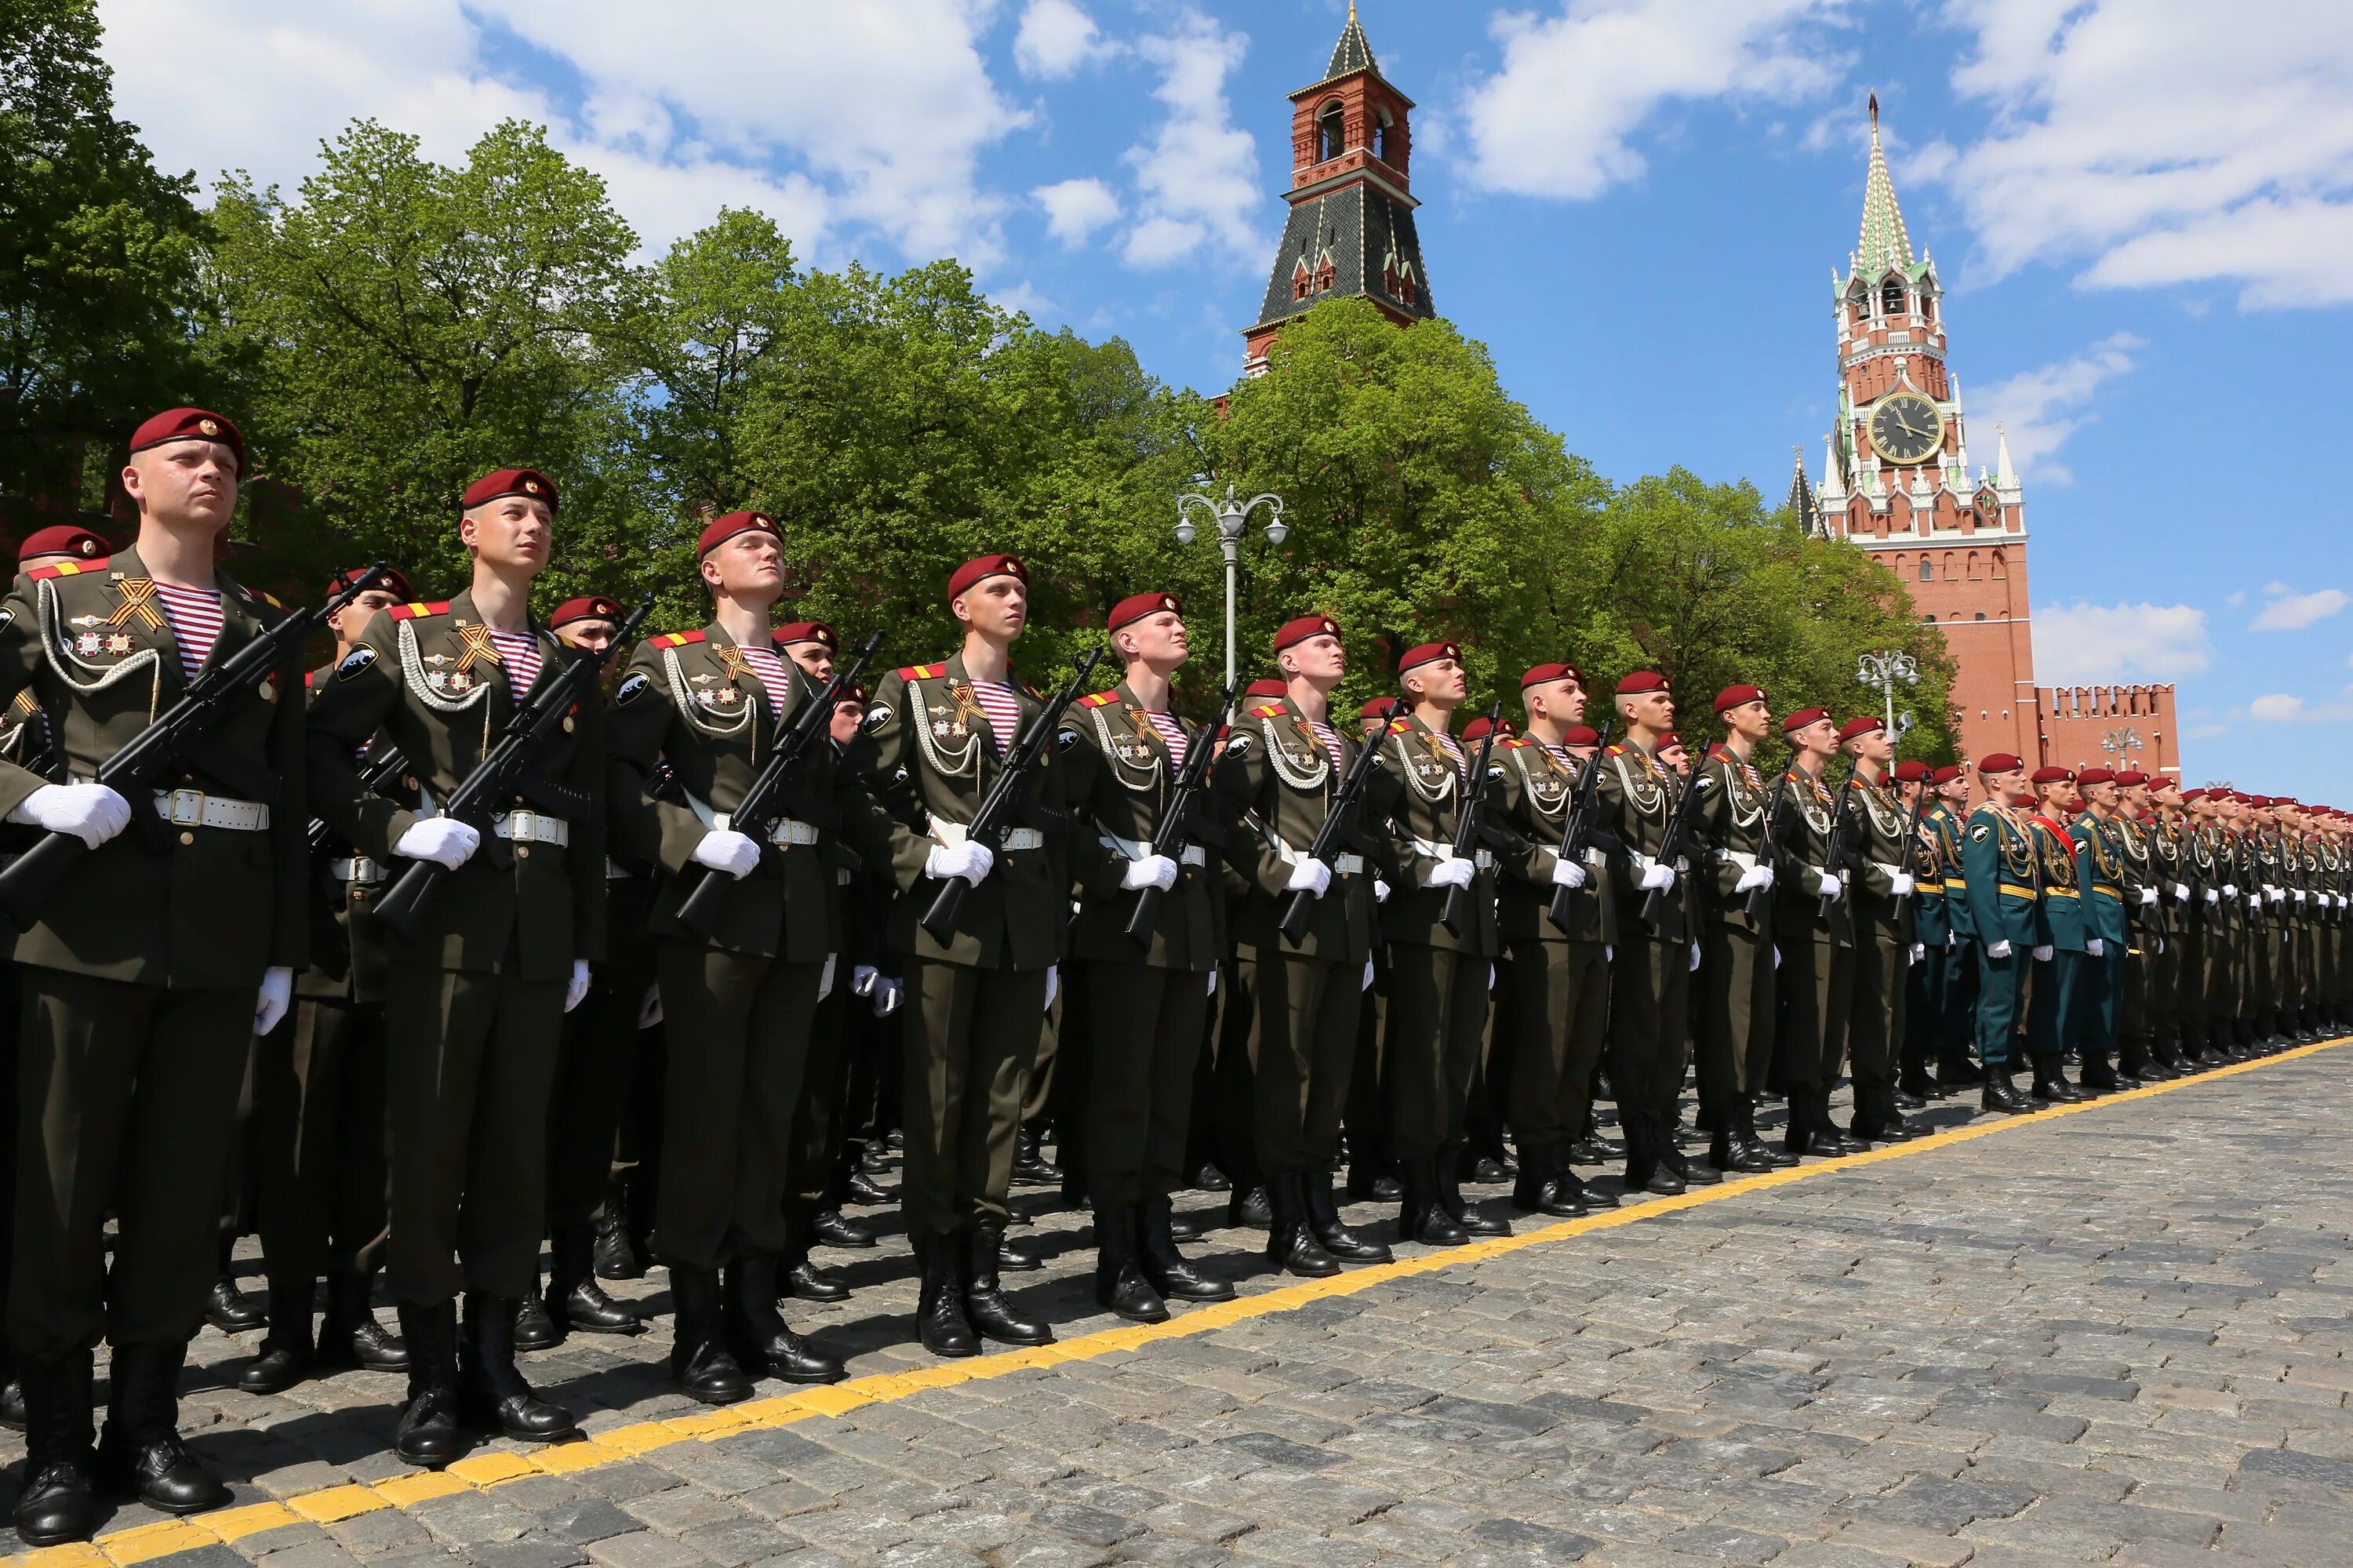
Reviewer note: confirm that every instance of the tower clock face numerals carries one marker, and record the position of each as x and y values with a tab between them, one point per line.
1906	428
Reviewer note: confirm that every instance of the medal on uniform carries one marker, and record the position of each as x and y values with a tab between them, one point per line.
118	642
88	642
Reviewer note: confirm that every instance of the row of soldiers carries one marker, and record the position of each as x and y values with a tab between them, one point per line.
733	840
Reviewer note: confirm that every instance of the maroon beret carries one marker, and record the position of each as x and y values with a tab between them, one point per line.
1802	717
1911	773
853	692
1641	680
1427	653
725	528
2096	776
1669	741
2132	779
1136	606
1544	674
189	425
1374	708
525	481
64	539
1732	697
1580	735
1999	762
980	569
1855	727
1477	729
2053	775
1269	688
2190	795
390	579
588	606
1945	775
1292	633
794	631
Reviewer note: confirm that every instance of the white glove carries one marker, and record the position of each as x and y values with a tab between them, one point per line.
445	841
1213	982
1998	949
1153	871
2229	890
2181	893
1657	878
1491	976
2213	896
1919	952
1776	957
2094	947
862	978
650	1012
2160	946
887	994
723	849
1754	877
1380	891
1901	885
1453	871
1568	874
1310	876
1695	957
825	978
578	989
1053	983
1952	940
1609	953
90	812
2147	895
2299	896
1367	984
2042	954
276	995
1833	885
969	859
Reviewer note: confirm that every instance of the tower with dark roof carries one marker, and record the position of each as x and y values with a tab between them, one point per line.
1351	232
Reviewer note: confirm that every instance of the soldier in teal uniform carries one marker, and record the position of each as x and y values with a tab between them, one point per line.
2097	1003
2004	902
1946	824
1926	1024
2060	935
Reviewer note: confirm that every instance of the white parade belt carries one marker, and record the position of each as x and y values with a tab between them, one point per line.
187	807
953	833
784	833
1433	849
1136	849
532	827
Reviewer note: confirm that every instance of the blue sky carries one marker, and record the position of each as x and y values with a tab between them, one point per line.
2143	213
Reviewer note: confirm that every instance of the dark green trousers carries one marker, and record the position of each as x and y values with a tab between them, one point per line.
598	1062
1302	1048
1874	1014
971	1037
471	1063
814	1154
126	1101
319	1139
1437	1027
1815	987
1733	1016
1144	1033
1231	1099
1649	1025
2002	993
1561	1010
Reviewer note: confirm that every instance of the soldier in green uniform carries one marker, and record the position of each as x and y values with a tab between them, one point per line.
1734	998
1878	901
2212	856
2259	991
1926	1023
474	1001
1814	938
2004	877
2151	808
1437	977
1122	753
934	739
318	1111
140	1001
2062	935
1276	784
739	1001
2095	1015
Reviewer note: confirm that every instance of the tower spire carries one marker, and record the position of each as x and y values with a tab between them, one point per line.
1353	52
1883	244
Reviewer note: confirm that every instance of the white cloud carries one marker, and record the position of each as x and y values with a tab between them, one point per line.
1559	117
2278	707
2160	141
2039	410
2084	644
1056	38
1076	209
868	117
1196	180
2284	610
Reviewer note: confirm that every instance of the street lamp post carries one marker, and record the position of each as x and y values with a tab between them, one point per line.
1231	517
2116	742
1886	671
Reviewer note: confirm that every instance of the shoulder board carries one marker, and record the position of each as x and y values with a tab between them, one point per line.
1100	700
921	671
1400	726
678	638
1513	743
1616	750
69	568
309	677
28	704
264	595
1271	710
418	611
1033	691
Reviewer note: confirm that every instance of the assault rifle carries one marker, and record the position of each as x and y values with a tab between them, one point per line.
1671	843
1466	824
1577	828
1328	837
1768	845
1169	837
181	736
1911	861
764	802
508	768
993	820
1835	854
381	769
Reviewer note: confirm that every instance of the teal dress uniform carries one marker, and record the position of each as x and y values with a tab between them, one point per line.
1927	1026
2097	1006
2003	900
2061	928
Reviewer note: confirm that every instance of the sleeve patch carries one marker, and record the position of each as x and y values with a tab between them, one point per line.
1981	833
633	688
352	662
878	716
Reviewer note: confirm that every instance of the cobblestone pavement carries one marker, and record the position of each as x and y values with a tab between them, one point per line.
2119	1335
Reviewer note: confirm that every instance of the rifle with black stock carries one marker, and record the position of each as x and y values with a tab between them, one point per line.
1302	907
381	769
1466	824
992	821
508	769
1835	852
1911	860
764	802
1671	843
1768	845
182	734
1576	829
1170	836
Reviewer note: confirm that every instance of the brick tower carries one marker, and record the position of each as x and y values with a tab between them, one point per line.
1351	232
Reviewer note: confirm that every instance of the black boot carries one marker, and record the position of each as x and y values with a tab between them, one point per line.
1030	1165
535	1328
1449	1198
141	1447
617	1256
428	1433
835	1228
574	1300
2051	1085
1998	1095
1250	1204
1956	1070
1120	1285
1536	1174
492	1389
699	1363
1176	1279
1748	1155
756	1330
1209	1179
1558	1191
1290	1243
1914	1081
1420	1216
1672	1156
1829	1139
288	1350
1370	1182
1647	1148
992	1316
1797	1128
1186	1228
229	1311
808	1280
1330	1232
349	1334
12	1401
60	1501
939	1301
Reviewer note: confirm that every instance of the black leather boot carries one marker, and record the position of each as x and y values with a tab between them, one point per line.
1208	1177
992	1316
1746	1155
835	1228
1913	1080
1797	1128
1827	1137
60	1501
1450	1199
1290	1243
492	1389
1956	1070
1250	1204
1186	1228
1370	1182
230	1312
141	1447
617	1256
700	1362
1170	1274
349	1334
535	1328
939	1301
12	1401
1331	1232
1420	1216
428	1433
1558	1191
805	1279
1673	1158
1030	1165
1997	1093
574	1300
288	1351
2051	1085
756	1330
1120	1285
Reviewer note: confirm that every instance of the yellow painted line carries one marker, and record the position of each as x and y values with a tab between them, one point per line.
490	1470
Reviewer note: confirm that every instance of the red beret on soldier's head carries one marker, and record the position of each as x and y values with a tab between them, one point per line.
390	579
1580	735
1375	707
1732	697
2053	775
1911	773
853	692
1265	689
1637	681
1292	633
725	528
1136	606
1999	762
1945	775
1477	729
64	539
1543	674
588	606
1855	727
1669	741
190	425
980	569
526	481
1802	717
1427	653
2132	779
794	631
2190	795
2096	776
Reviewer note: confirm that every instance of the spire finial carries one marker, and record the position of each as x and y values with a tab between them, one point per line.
1874	97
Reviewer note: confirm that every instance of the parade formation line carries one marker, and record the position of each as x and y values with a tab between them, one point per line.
486	1471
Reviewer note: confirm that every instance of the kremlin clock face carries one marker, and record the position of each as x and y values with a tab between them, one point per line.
1906	428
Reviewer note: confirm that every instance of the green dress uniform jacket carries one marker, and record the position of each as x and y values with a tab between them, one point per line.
1116	780
1636	798
1431	775
1728	831
1947	833
1277	783
1531	802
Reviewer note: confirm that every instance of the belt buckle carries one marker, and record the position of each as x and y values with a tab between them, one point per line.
193	801
522	826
